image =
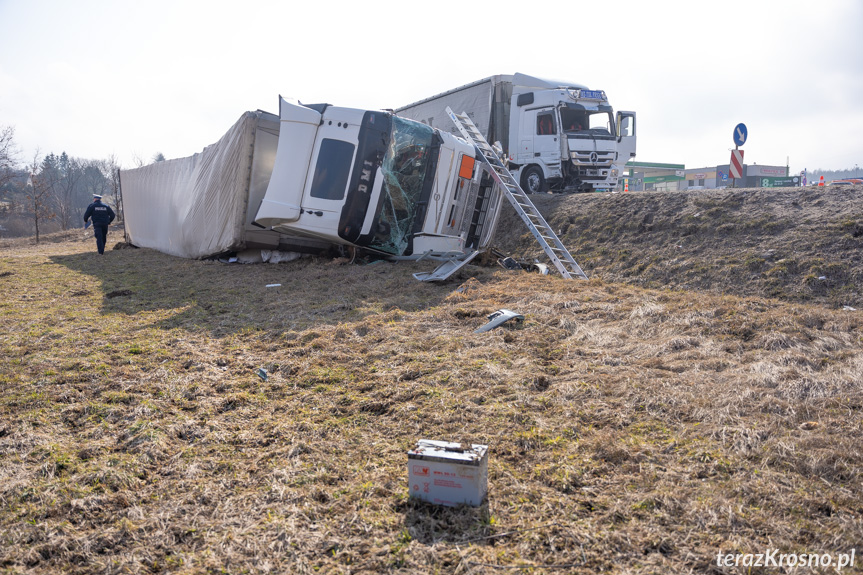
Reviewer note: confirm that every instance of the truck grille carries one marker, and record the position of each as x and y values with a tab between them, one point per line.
592	159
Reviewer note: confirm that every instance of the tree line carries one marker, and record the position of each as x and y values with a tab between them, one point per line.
50	193
830	175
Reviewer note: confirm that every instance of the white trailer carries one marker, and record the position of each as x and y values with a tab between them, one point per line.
556	135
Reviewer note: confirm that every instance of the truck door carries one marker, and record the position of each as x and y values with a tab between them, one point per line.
625	136
542	124
329	172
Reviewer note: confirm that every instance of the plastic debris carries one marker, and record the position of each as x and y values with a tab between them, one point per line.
849	308
275	256
262	373
498	318
274	285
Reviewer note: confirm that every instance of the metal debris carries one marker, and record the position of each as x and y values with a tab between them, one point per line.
498	318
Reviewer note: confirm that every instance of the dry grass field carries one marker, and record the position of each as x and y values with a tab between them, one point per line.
639	422
792	244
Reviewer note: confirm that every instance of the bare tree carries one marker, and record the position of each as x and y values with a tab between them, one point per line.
111	171
8	154
65	191
39	195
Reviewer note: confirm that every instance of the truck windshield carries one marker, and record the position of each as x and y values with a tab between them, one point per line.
407	162
588	123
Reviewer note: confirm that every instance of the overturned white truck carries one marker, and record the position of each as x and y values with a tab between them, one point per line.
314	177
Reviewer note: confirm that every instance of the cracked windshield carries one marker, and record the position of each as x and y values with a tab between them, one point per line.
404	170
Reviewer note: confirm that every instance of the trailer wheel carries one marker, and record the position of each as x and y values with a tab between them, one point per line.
533	181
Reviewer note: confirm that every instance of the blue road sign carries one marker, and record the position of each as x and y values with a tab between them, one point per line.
740	134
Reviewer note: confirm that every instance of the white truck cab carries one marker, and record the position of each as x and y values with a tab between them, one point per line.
555	134
568	135
377	181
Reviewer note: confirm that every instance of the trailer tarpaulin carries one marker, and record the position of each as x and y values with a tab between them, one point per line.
193	207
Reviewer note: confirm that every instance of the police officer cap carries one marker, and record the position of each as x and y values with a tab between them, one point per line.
97	197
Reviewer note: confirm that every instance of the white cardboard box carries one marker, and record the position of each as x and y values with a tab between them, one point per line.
446	473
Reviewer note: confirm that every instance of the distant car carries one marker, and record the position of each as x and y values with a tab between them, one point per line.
841	183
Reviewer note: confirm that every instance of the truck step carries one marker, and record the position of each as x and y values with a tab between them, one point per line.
445	270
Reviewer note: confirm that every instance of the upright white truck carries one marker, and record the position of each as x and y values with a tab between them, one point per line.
556	135
314	176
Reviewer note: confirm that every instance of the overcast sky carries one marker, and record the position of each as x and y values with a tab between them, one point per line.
130	78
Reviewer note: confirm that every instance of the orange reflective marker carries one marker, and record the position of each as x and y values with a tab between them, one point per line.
466	170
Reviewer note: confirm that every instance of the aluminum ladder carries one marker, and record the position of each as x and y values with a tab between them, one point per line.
551	244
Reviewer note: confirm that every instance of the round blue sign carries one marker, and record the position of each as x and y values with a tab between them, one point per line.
740	134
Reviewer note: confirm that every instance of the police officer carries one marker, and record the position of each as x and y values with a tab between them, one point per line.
102	216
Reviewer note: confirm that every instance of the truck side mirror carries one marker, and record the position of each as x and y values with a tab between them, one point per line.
524	99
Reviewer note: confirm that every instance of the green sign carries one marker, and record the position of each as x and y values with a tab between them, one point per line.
660	179
771	182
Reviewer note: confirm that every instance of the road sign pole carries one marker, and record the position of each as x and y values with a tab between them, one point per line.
739	136
733	180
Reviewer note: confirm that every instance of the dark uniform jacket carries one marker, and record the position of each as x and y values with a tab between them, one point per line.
102	215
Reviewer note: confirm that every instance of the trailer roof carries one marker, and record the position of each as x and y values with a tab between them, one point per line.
517	79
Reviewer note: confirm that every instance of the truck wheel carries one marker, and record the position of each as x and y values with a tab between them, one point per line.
533	181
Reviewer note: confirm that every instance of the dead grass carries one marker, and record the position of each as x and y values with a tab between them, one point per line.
631	430
793	244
